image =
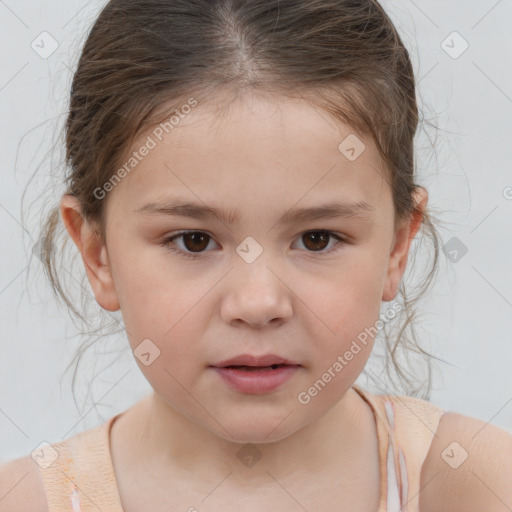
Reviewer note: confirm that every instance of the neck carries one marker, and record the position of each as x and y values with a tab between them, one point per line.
176	447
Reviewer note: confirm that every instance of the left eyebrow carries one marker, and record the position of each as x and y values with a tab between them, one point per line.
182	208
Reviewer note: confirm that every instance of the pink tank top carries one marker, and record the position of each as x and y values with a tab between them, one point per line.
82	478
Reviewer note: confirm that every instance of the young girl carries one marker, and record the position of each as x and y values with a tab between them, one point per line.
242	189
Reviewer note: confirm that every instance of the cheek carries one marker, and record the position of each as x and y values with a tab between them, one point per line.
168	329
165	314
150	290
168	311
345	302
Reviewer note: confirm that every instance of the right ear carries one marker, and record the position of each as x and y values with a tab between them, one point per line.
93	251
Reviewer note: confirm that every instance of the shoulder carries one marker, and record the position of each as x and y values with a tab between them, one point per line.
21	488
468	467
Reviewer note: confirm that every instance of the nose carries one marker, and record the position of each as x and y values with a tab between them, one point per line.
256	295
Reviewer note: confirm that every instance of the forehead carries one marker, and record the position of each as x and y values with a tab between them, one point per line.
256	150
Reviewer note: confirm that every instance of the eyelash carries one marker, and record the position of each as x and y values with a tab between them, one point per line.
169	242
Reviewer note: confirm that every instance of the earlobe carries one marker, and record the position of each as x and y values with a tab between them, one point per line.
401	244
93	251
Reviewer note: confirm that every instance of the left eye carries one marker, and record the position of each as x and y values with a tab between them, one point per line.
194	242
319	238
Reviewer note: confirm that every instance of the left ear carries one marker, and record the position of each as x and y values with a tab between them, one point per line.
401	244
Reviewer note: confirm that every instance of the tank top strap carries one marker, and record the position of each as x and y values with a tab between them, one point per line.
77	473
406	427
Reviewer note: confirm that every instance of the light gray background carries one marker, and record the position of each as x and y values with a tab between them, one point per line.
467	317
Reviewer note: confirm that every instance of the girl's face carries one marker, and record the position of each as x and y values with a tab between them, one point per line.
265	276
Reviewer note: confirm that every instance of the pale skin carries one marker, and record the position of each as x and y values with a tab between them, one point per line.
266	157
177	448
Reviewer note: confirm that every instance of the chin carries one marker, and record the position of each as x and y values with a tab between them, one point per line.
256	431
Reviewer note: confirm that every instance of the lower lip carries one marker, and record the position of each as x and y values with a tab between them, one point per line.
257	382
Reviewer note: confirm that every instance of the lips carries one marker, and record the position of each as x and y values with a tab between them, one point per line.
256	375
252	363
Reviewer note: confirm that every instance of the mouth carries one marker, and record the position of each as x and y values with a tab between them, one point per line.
257	368
256	380
251	362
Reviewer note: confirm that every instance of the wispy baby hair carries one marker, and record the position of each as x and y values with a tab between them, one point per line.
344	57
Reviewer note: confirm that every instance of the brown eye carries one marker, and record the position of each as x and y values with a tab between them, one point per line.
188	244
320	241
195	242
316	240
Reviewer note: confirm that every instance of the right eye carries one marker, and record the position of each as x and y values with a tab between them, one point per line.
194	243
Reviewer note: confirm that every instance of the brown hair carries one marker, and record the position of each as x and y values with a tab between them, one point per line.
343	56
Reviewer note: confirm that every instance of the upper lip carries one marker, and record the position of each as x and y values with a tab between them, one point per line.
250	360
